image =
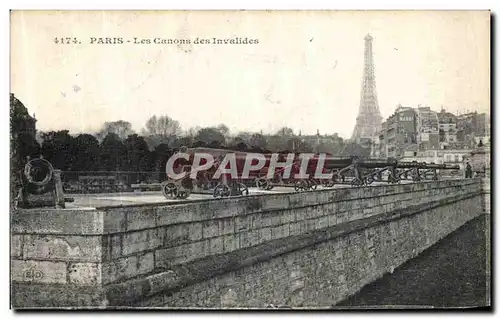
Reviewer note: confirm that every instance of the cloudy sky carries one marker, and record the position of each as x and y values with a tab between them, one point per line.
305	72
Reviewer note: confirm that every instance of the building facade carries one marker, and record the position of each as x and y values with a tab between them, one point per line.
427	124
473	127
398	133
447	129
415	130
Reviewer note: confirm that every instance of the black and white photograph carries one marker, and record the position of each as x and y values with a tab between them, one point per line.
250	160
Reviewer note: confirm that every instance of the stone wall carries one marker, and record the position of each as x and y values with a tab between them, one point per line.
486	187
308	249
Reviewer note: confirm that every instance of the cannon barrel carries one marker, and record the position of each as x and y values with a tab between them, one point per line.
426	165
330	161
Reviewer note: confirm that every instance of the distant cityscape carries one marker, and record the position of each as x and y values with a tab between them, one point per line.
421	133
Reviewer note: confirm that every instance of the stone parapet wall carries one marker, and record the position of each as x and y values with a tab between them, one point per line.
153	255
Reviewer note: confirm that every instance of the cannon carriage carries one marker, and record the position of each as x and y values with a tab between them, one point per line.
349	170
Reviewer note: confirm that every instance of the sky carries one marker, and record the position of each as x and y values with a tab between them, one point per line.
304	73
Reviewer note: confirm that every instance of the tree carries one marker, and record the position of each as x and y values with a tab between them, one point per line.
193	131
181	141
199	144
241	147
223	129
276	143
163	126
241	139
244	136
22	141
57	147
113	153
258	141
161	129
159	158
210	135
121	128
27	145
138	156
353	149
85	153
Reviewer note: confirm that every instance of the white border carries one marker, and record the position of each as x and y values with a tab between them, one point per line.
203	5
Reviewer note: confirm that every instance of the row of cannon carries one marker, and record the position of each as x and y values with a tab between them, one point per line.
343	170
38	175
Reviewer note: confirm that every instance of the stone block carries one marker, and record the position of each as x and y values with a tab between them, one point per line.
288	216
84	273
58	221
310	224
16	245
35	271
182	213
145	263
70	248
138	241
141	218
158	282
322	222
216	245
231	242
271	202
176	235
280	231
248	239
294	229
243	223
332	221
226	226
166	257
127	267
115	220
300	214
210	228
116	245
195	231
198	250
265	234
111	247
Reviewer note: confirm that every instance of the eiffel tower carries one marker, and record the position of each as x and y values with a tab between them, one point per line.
369	120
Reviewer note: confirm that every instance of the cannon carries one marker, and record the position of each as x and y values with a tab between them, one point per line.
224	187
343	170
41	186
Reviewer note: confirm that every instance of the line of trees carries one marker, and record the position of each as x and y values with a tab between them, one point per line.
117	147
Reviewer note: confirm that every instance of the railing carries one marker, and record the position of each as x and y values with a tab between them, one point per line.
106	181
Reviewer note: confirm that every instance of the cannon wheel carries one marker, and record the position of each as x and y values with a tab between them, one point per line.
243	189
369	180
301	185
393	179
312	184
262	183
169	190
183	192
222	190
330	183
356	182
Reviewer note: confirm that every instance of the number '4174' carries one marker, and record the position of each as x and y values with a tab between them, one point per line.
67	40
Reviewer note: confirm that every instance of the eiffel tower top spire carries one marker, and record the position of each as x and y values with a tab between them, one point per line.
369	120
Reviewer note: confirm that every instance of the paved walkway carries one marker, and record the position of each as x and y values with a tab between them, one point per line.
452	273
